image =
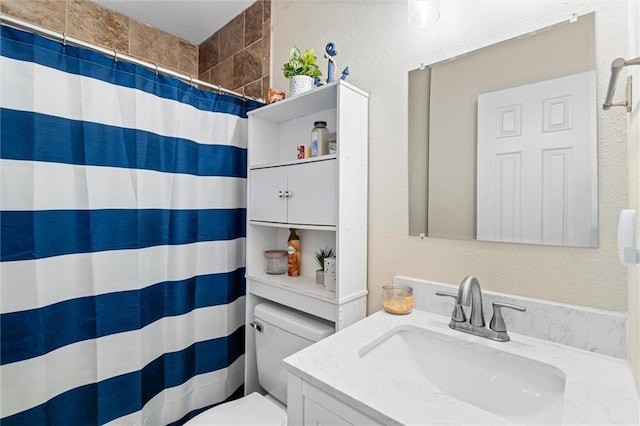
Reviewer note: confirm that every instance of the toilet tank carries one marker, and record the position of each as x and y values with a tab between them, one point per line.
284	331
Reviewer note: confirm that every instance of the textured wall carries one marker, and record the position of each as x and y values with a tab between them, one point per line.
96	24
379	64
237	56
634	191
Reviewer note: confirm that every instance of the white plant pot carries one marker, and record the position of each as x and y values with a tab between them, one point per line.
300	84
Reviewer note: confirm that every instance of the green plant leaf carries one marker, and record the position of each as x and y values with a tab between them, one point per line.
321	255
301	64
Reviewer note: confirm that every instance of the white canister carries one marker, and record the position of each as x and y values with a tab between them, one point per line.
330	274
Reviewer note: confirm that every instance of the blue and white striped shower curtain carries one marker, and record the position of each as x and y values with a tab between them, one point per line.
122	240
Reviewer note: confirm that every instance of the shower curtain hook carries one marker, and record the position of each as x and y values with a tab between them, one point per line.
191	79
156	69
115	55
64	39
219	90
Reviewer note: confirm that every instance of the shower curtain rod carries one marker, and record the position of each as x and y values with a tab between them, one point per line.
117	56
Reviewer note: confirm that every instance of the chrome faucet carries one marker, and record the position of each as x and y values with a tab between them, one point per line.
470	294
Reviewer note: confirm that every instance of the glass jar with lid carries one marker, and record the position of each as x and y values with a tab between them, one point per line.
275	262
319	139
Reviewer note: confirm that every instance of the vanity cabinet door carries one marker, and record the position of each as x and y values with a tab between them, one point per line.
268	202
312	193
320	408
314	414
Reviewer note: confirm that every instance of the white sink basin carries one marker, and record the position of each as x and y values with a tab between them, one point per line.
518	389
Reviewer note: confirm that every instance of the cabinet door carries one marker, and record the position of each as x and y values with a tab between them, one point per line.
268	202
315	415
312	193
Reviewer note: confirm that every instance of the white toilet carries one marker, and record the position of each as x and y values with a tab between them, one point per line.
279	332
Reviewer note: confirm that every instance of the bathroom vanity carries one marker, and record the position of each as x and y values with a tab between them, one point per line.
413	369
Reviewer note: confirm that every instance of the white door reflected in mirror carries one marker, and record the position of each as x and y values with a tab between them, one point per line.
535	179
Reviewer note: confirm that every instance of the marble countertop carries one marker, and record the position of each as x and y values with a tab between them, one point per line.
599	388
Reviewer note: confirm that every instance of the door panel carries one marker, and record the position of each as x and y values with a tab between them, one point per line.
312	188
556	187
508	196
266	202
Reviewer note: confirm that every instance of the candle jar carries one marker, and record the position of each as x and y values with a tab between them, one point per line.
397	299
275	262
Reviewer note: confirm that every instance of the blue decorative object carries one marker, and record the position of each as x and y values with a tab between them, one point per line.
345	73
330	54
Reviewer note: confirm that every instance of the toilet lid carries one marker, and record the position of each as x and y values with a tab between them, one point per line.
253	409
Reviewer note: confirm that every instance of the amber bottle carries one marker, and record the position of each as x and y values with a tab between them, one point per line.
293	250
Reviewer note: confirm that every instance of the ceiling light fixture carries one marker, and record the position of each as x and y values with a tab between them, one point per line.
423	12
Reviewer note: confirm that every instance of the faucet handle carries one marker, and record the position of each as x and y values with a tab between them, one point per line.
497	321
458	313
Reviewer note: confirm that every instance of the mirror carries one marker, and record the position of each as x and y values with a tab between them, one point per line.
503	141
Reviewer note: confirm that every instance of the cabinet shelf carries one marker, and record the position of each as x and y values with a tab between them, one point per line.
293	225
288	163
306	103
306	286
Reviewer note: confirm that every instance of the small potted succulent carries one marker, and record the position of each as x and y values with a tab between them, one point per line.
301	70
320	256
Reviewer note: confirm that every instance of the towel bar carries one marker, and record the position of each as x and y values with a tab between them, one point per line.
616	67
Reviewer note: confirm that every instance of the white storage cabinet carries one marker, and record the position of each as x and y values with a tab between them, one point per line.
324	198
298	194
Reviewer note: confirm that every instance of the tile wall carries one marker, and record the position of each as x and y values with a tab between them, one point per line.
237	57
96	24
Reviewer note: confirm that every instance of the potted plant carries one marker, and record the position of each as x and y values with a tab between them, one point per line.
301	70
320	256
